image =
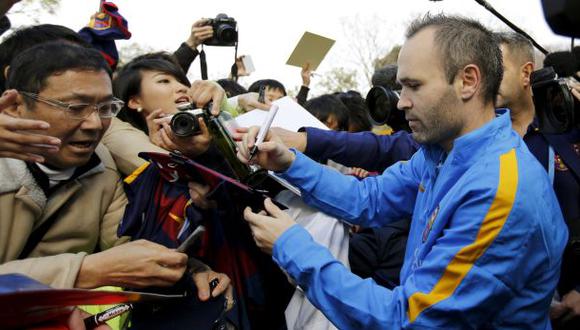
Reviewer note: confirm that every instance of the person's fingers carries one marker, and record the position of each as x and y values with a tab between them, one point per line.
203	97
230	298
256	220
223	284
203	32
167	276
151	120
155	114
576	93
201	281
201	22
17	124
558	310
242	157
171	258
273	209
37	140
161	121
166	139
215	106
22	156
268	146
203	127
251	136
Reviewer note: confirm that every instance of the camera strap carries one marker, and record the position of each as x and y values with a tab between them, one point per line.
566	153
561	146
203	64
234	70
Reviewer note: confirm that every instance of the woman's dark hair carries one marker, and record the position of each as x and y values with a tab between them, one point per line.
32	67
231	87
271	83
31	36
358	112
327	105
127	84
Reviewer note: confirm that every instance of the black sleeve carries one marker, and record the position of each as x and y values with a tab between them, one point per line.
185	56
302	95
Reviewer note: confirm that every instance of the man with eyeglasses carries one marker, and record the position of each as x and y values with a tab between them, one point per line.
55	214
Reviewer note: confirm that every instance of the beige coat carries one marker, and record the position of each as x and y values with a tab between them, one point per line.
125	142
90	208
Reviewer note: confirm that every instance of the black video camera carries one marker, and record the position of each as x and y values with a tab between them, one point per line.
225	31
558	111
382	104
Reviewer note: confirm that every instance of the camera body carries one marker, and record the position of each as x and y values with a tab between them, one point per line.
186	121
558	111
225	31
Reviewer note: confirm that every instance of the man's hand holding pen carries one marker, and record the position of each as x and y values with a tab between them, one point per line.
272	153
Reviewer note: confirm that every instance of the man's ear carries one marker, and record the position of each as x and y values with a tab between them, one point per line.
15	108
470	79
6	70
526	73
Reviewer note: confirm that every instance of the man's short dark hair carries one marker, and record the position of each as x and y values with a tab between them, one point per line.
386	77
327	105
462	41
358	112
271	83
519	45
31	68
31	36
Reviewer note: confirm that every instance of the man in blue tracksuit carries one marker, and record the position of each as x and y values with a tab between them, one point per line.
486	238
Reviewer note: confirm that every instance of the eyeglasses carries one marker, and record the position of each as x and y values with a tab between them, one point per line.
80	111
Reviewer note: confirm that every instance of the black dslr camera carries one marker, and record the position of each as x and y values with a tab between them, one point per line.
557	109
225	31
186	122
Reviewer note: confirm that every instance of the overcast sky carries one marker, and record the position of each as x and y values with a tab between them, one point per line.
269	30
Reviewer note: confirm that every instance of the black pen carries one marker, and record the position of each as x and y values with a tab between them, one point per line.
102	317
262	93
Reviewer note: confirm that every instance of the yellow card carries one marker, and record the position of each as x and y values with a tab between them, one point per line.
312	48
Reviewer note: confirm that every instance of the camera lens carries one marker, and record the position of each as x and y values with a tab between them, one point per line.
184	124
226	33
382	103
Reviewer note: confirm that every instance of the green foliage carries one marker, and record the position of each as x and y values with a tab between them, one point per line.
390	58
338	80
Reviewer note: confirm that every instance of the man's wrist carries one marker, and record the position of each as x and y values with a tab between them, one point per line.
289	160
302	141
191	44
89	276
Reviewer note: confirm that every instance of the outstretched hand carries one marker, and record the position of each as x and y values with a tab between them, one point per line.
268	225
22	138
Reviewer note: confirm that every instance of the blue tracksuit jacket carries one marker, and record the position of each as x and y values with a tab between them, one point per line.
485	245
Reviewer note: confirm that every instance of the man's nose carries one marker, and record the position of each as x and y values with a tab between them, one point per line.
93	121
404	102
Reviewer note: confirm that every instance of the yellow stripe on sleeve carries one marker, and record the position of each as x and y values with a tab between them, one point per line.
135	174
463	261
